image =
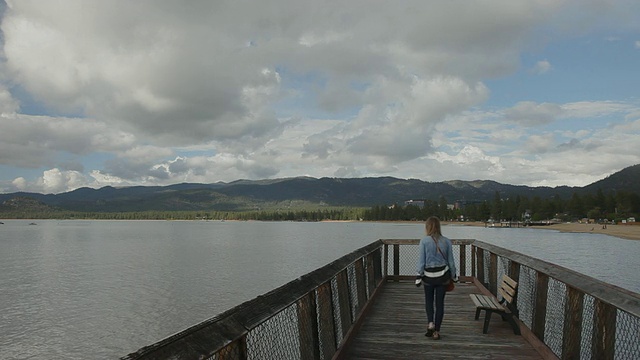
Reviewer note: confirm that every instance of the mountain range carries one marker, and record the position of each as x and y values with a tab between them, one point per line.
243	195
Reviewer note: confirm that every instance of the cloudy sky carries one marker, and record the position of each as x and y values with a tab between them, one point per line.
151	92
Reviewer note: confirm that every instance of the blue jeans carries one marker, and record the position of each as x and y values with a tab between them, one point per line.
437	292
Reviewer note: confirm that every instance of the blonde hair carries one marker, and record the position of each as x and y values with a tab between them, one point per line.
433	227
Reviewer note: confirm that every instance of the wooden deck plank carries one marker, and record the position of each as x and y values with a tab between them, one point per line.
396	323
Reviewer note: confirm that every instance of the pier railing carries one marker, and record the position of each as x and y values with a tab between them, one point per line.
308	318
312	317
576	316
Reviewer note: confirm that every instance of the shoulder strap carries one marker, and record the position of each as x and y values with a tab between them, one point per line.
440	251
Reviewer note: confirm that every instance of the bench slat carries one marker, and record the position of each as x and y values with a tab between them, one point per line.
512	283
508	297
486	302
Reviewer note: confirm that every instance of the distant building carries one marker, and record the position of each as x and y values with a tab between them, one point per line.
460	204
418	203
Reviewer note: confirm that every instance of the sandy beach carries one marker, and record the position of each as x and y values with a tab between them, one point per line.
625	231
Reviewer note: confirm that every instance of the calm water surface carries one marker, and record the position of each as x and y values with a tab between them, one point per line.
102	289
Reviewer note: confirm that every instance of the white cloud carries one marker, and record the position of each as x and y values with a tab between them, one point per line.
637	44
55	181
541	67
8	105
261	89
470	155
539	144
532	114
33	141
20	183
588	109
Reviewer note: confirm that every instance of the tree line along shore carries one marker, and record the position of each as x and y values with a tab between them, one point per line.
602	208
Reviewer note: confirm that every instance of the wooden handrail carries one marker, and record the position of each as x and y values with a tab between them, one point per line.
417	241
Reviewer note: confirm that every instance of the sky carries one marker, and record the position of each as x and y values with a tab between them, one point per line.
153	92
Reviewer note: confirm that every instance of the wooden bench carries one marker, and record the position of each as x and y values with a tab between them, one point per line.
505	307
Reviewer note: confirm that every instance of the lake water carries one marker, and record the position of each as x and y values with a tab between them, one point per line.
102	289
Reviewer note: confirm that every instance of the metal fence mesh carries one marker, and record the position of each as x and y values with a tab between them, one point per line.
526	295
554	327
628	339
275	338
353	291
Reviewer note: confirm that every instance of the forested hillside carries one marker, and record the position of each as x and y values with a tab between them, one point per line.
307	198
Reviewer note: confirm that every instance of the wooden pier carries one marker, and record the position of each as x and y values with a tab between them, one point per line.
395	324
364	305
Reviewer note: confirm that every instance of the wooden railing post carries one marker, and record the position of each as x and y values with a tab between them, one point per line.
540	309
514	273
327	332
236	350
360	284
604	331
308	327
493	273
474	251
463	261
344	302
371	279
376	266
572	331
386	260
396	262
480	253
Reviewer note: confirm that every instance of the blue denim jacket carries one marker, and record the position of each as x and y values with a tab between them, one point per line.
431	257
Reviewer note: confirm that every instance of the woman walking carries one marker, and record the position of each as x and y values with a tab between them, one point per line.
436	267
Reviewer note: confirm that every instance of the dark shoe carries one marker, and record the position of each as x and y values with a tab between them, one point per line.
430	329
436	335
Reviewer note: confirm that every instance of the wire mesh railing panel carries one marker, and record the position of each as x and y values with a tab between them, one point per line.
503	269
555	319
526	295
409	259
587	327
353	291
627	336
486	261
276	337
457	250
335	301
467	259
367	280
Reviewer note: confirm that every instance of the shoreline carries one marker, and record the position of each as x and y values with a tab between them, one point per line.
624	231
